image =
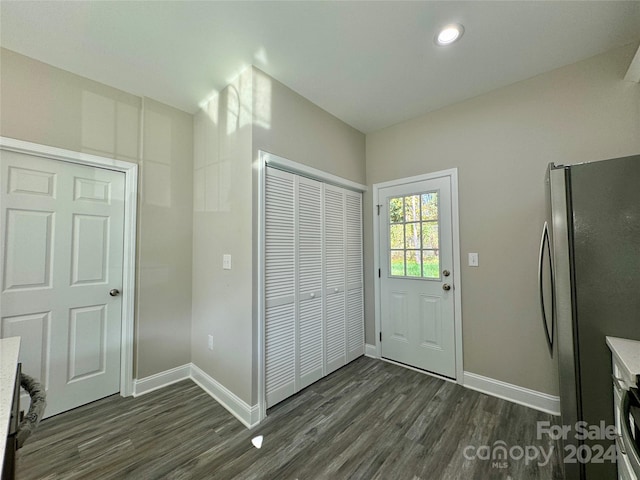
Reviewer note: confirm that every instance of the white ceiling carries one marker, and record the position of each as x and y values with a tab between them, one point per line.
371	64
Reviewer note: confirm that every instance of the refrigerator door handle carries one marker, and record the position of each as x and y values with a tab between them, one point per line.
545	246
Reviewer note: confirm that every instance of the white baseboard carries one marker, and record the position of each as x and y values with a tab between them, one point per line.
160	380
370	350
513	393
248	415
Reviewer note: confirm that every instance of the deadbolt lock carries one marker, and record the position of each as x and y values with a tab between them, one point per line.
446	273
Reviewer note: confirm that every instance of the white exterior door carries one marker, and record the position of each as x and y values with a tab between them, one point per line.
416	275
62	253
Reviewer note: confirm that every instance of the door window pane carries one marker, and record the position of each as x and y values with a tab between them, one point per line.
414	236
413	263
430	264
430	206
397	263
396	236
396	211
412	208
430	235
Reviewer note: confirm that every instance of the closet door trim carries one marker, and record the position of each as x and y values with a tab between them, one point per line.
290	166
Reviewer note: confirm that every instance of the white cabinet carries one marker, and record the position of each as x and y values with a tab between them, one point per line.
626	368
314	314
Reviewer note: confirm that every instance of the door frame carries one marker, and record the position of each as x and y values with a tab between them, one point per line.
452	174
266	159
130	171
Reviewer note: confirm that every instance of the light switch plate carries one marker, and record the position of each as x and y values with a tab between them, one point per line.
226	261
473	259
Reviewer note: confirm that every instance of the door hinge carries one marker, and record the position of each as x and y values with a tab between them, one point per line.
381	336
378	209
379	273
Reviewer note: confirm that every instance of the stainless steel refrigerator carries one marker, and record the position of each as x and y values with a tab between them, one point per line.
590	288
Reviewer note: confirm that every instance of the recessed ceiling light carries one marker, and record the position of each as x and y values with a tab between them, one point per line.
449	34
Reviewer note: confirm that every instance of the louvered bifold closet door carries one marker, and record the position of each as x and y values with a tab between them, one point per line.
309	285
279	286
335	256
355	287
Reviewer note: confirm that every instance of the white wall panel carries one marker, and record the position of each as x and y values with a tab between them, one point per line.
34	330
90	249
431	321
87	342
91	190
32	182
28	263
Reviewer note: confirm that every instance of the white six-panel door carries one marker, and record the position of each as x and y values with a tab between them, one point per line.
62	253
314	320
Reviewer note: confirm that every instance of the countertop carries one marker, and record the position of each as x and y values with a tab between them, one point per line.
627	355
9	349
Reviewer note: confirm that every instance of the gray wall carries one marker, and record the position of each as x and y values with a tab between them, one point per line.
46	105
501	143
223	225
289	125
255	112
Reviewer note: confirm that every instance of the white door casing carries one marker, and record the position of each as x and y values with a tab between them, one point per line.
68	239
417	315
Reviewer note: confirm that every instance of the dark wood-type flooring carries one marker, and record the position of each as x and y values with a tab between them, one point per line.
368	420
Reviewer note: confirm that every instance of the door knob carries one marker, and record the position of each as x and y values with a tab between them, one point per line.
446	273
446	287
114	292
